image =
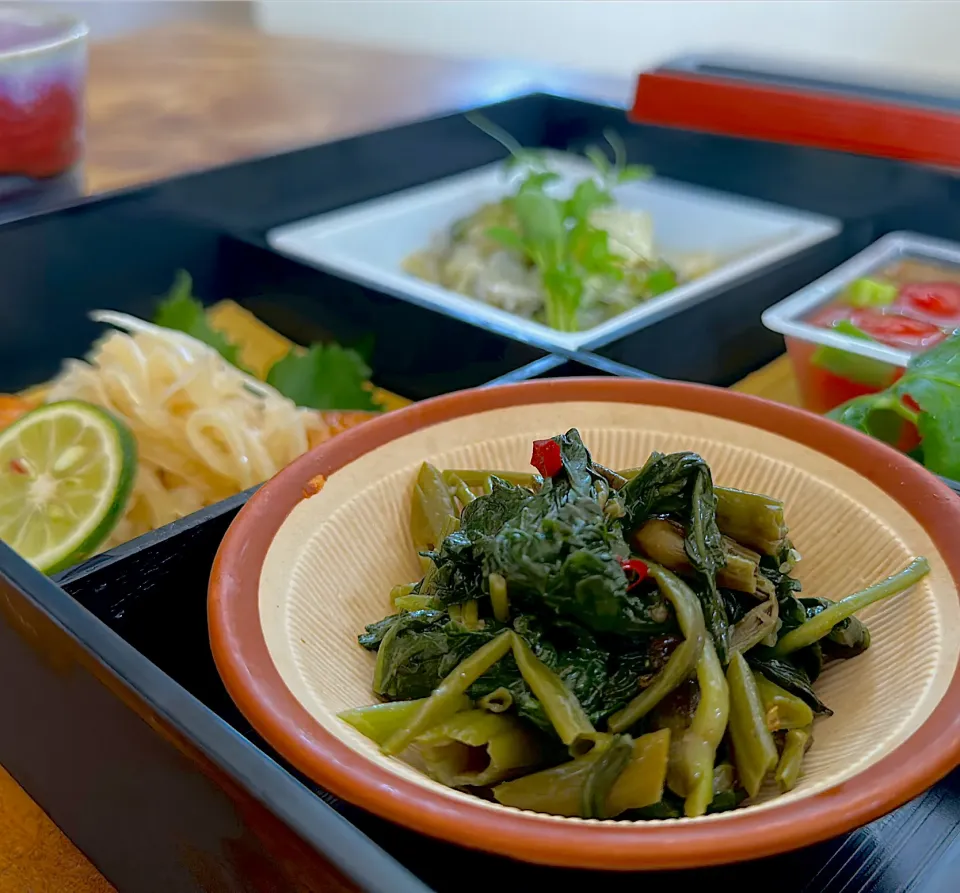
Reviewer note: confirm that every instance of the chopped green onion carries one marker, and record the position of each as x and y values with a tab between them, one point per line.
870	293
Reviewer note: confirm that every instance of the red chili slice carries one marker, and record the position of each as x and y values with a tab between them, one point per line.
546	457
635	570
936	301
897	331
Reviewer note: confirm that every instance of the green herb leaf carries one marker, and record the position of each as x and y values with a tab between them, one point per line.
541	224
599	160
634	172
507	237
564	289
932	382
586	196
590	248
181	311
557	236
323	377
535	181
659	281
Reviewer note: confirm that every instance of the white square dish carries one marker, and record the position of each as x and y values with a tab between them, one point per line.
368	242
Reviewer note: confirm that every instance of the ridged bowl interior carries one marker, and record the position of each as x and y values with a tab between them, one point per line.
330	567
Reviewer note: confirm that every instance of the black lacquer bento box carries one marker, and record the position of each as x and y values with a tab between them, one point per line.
114	718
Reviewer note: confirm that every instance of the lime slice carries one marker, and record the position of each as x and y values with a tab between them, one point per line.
66	472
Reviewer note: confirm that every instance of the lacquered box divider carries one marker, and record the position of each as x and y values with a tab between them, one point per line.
142	777
721	340
122	254
253	196
554	366
416	353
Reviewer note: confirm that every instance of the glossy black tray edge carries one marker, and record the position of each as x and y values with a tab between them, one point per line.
122	254
137	772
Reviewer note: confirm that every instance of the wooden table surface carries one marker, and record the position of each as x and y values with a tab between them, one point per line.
181	98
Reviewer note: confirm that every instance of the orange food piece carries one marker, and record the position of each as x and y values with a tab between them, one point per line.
314	486
11	408
331	422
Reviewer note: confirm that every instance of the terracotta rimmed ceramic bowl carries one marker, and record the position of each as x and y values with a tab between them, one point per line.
298	576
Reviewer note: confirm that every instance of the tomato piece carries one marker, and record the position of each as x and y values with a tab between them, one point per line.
937	302
827	317
894	330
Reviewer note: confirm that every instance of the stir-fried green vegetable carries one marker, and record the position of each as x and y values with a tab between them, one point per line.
605	644
681	485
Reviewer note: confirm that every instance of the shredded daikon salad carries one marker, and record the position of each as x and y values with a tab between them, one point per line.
205	430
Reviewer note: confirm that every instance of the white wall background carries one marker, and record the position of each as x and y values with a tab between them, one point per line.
898	38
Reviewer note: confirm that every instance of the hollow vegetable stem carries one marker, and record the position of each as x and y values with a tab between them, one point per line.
684	658
754	750
795	746
559	703
499	600
450	690
698	748
820	625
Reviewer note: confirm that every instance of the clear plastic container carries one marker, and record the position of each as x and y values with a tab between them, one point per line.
43	62
853	331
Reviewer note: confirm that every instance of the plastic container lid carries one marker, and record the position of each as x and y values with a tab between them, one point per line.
790	315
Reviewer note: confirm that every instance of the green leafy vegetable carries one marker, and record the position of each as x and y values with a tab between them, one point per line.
680	485
324	376
660	280
847	639
556	235
785	673
181	311
775	568
319	377
412	654
525	657
927	395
